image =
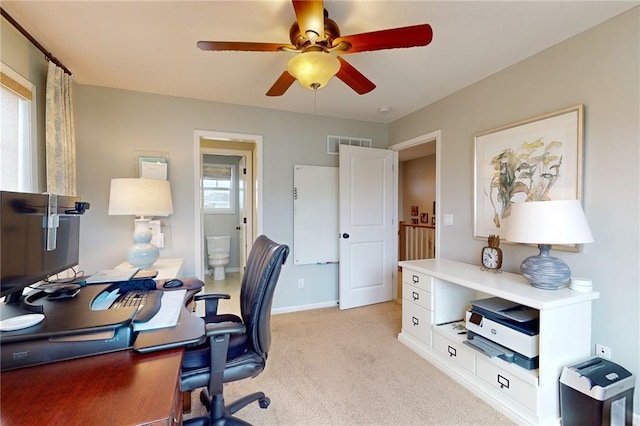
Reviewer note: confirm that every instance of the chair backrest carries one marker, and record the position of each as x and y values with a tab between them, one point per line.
256	293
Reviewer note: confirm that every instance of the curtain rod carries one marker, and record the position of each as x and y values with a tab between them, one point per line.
33	41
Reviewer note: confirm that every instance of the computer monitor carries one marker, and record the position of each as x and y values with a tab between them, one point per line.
39	237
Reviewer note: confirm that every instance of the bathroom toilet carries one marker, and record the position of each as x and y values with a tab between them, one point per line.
218	251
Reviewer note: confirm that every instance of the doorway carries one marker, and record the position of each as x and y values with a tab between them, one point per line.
421	146
249	149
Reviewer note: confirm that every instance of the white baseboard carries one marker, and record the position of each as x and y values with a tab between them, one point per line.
298	308
209	271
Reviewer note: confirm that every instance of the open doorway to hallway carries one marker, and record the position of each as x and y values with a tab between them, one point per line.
418	192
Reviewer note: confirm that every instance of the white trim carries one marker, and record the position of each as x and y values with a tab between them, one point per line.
418	140
198	135
299	308
34	153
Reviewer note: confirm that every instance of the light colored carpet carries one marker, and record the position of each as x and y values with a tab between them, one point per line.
332	367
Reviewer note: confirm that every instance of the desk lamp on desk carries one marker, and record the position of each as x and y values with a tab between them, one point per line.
144	198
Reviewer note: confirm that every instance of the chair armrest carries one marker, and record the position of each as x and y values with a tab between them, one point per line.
222	328
211	302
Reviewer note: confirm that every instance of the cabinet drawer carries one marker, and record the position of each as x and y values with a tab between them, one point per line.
417	279
417	295
416	320
507	383
455	352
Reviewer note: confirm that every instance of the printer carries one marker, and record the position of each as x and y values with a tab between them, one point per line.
505	329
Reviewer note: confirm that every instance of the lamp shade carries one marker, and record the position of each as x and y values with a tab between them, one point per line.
313	69
140	197
548	222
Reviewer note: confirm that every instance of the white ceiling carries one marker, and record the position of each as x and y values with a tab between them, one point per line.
150	46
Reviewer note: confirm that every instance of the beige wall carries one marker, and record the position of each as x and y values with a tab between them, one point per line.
418	186
599	69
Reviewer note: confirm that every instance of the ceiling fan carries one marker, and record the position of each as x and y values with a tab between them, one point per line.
318	41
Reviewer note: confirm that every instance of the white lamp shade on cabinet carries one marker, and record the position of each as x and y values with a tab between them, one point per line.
141	197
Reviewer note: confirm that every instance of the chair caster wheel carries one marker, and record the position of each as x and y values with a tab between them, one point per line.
205	400
264	402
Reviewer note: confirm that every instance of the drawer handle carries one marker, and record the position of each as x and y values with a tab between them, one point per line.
503	381
416	296
415	278
452	351
414	320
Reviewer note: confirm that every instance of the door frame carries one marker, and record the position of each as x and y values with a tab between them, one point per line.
246	180
198	136
431	137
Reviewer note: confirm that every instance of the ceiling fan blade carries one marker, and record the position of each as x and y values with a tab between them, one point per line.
243	46
281	85
310	17
353	78
416	35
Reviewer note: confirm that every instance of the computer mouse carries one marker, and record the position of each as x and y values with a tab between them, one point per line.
172	283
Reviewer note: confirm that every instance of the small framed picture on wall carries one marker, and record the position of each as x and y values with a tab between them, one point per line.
424	218
414	210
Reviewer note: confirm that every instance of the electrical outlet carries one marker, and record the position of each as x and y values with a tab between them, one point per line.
300	282
603	351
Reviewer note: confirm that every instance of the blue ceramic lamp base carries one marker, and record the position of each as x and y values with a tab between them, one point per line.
142	254
545	271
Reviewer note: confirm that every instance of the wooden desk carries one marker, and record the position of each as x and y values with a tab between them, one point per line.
116	389
121	388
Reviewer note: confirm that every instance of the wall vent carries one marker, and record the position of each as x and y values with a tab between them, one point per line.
333	142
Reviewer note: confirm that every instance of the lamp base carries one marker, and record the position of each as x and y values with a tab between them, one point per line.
545	271
142	254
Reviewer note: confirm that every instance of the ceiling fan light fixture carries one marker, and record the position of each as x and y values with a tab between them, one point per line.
313	69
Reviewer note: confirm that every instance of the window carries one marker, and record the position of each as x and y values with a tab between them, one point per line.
218	188
17	154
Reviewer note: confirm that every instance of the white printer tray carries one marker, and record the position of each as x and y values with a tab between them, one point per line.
505	336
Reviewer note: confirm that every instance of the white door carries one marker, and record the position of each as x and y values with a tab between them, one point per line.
367	232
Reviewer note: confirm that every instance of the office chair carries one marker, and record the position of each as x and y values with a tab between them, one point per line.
236	347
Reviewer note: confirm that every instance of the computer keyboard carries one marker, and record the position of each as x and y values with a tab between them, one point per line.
148	303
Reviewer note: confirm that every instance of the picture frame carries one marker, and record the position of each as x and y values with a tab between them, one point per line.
424	218
536	159
433	221
414	221
414	210
150	164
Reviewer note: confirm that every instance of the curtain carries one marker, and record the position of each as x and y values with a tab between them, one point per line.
60	133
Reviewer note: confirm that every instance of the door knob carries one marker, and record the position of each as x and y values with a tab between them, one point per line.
345	235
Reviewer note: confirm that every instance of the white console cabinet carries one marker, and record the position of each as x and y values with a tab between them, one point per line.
437	292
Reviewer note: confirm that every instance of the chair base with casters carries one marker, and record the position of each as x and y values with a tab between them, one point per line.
236	346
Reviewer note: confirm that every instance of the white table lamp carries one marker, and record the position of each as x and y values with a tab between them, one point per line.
546	223
144	198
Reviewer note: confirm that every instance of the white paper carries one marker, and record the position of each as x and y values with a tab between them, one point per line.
157	237
169	313
151	170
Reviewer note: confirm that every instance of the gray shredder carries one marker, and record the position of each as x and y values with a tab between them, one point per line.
596	392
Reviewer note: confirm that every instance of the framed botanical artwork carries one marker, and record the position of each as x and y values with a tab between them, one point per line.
532	160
